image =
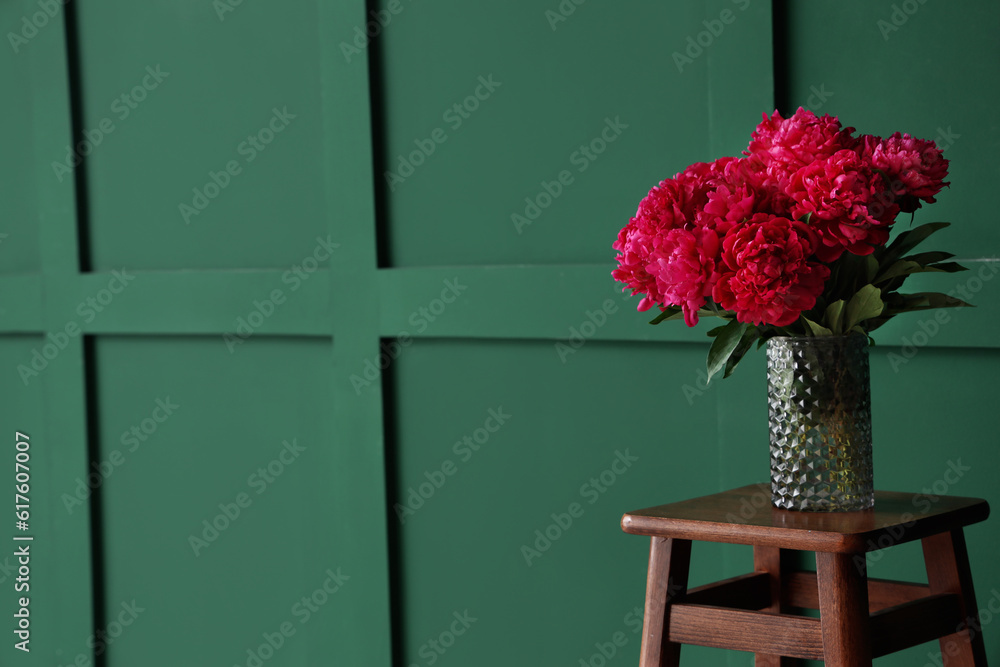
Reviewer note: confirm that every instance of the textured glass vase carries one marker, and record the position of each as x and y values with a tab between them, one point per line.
819	404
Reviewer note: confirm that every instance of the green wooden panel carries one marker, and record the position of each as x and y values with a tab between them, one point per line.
364	619
18	232
63	597
250	303
739	62
628	385
23	412
21	307
509	436
181	452
560	81
188	91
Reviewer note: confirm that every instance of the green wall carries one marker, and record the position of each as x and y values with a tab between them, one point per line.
371	385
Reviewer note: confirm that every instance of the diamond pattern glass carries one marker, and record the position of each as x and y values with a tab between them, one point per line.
819	404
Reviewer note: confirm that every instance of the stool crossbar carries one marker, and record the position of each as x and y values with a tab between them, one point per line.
860	618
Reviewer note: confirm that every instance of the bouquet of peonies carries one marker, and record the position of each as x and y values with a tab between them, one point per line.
791	240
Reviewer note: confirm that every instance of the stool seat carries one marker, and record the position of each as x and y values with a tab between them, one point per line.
860	619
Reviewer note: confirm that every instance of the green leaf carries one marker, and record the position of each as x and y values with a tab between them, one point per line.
723	345
834	316
928	300
905	267
676	313
947	267
925	258
901	268
670	313
867	303
751	334
816	329
909	240
904	302
871	268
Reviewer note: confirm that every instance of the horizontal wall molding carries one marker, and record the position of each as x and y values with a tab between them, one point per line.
524	302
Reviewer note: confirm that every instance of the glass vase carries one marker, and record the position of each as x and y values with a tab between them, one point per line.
819	405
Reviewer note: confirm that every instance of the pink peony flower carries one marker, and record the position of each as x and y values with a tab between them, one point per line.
756	234
767	277
915	168
783	145
670	205
634	249
844	198
735	196
684	268
676	203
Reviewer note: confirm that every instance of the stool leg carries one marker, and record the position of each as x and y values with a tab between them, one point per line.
843	610
666	580
947	560
769	559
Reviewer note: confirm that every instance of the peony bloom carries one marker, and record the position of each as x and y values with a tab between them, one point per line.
670	205
680	202
847	204
634	249
729	205
784	145
767	277
684	268
915	168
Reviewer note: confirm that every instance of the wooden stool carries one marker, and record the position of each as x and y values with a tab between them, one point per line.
860	618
